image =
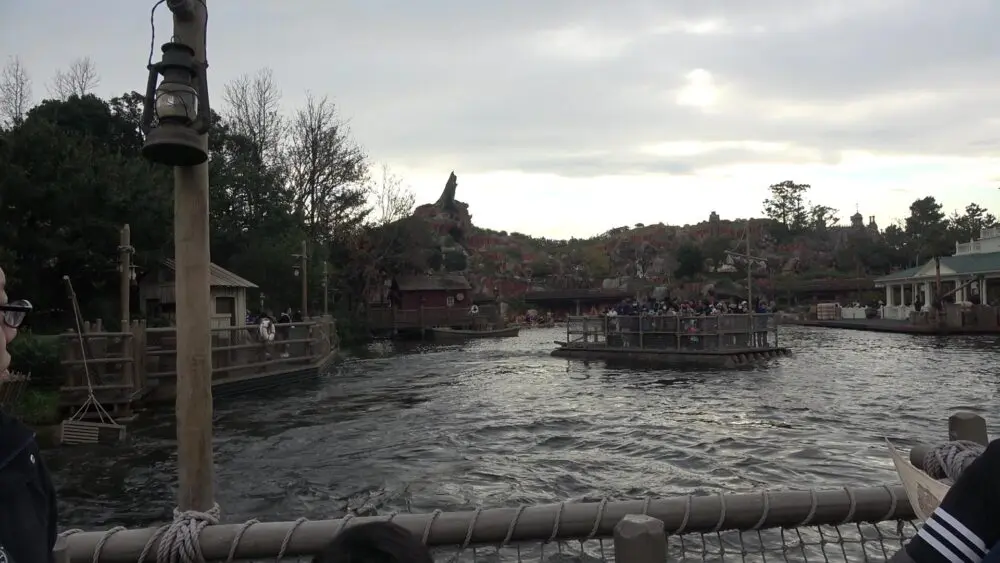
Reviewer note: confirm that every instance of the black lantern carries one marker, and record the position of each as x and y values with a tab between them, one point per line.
180	106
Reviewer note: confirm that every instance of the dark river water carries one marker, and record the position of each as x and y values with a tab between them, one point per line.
502	423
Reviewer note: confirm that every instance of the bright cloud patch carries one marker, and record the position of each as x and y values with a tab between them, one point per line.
700	90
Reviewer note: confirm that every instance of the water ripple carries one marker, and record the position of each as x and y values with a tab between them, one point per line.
501	422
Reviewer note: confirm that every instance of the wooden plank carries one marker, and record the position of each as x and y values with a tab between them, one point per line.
86	432
77	432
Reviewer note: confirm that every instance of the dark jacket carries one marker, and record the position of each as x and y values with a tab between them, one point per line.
27	498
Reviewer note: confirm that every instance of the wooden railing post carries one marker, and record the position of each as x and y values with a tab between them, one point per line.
128	356
968	426
640	539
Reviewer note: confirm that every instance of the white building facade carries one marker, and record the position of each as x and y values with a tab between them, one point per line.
976	261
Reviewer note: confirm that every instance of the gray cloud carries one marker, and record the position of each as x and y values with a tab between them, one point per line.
573	87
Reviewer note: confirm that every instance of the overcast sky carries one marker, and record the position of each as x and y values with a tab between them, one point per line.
569	117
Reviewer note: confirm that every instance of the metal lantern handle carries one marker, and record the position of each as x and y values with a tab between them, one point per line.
204	120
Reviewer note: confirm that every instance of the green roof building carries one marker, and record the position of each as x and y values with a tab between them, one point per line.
975	260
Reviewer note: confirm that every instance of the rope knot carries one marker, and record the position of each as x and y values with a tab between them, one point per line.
950	459
179	541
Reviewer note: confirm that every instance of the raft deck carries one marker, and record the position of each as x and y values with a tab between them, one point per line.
716	341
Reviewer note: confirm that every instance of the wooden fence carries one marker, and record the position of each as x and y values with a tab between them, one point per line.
717	332
140	363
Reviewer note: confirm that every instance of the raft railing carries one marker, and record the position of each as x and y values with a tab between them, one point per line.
663	332
864	524
846	524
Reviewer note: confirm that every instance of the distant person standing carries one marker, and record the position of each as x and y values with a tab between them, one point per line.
285	329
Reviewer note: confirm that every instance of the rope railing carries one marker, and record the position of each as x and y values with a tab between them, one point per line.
503	526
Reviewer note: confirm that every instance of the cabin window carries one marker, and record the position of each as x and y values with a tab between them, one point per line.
451	301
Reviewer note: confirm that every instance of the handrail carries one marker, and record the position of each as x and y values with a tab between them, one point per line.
165	329
589	520
571	318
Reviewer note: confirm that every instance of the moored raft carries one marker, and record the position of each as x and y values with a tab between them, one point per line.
726	341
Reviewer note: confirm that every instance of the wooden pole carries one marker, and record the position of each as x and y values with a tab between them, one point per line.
303	269
326	288
640	539
125	276
968	426
194	304
751	261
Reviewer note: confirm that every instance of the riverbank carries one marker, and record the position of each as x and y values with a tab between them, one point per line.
890	326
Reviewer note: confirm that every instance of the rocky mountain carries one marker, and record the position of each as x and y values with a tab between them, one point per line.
515	262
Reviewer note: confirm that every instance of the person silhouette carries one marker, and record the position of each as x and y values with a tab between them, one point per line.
965	527
375	542
27	497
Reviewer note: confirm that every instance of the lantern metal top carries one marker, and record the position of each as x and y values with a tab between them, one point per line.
176	139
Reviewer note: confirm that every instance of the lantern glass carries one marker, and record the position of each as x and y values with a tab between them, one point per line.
176	102
295	271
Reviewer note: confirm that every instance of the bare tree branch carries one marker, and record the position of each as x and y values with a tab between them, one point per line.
79	80
390	199
327	170
15	93
254	111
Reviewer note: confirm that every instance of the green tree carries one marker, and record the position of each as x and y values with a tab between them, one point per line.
715	249
822	216
69	179
787	207
455	261
690	261
927	229
967	226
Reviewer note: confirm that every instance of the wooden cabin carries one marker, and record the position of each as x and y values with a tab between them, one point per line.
431	291
157	297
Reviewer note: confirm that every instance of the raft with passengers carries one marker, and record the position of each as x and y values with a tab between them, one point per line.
721	340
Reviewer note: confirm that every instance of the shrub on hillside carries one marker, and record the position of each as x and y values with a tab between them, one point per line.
39	356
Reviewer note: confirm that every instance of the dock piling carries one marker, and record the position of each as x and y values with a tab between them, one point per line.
640	539
969	427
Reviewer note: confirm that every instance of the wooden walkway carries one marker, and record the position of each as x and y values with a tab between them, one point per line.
893	326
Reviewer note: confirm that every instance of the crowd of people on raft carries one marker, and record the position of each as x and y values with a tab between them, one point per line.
685	308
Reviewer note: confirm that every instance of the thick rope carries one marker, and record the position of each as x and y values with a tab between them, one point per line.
950	459
179	540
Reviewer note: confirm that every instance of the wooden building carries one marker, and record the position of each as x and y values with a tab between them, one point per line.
415	303
157	298
431	291
562	302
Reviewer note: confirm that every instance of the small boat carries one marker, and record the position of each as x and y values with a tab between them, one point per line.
923	491
445	333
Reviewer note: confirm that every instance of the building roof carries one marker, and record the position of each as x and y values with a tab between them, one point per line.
961	265
218	276
577	293
436	282
900	275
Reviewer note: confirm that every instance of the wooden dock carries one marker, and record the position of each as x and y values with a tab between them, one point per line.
389	320
139	365
715	341
895	326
